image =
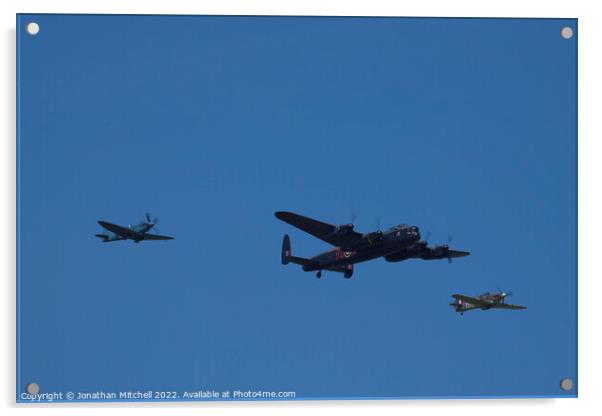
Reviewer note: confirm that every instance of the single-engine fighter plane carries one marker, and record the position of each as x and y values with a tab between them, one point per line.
463	303
137	232
396	244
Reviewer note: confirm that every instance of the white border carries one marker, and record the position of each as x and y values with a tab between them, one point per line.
590	114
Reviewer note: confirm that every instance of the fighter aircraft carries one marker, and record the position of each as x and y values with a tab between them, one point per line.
137	232
463	303
396	244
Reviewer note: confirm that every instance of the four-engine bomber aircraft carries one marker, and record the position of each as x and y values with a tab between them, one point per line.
396	244
137	232
463	303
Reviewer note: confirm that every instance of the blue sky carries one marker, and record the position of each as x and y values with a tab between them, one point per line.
464	127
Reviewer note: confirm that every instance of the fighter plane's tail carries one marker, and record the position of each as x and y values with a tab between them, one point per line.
103	237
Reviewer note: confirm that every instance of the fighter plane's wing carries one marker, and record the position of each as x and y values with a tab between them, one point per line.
473	301
119	230
509	306
156	237
321	230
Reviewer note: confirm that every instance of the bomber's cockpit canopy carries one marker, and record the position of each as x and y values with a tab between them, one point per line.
399	227
405	227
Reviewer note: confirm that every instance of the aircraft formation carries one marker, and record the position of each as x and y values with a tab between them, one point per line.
399	243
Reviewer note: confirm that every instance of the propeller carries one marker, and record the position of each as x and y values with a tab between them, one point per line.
499	290
379	232
503	294
149	220
375	235
446	246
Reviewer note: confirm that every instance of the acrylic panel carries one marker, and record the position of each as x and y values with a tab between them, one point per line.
350	208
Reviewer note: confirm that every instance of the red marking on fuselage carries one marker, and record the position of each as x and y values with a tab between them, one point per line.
342	255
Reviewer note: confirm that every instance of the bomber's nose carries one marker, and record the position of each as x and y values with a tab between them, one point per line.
414	229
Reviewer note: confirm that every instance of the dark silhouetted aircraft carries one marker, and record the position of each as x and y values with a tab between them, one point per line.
396	244
485	301
137	232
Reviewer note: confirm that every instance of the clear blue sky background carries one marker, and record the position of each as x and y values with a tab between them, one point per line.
464	127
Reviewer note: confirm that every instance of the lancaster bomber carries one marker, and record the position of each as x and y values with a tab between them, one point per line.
463	303
136	233
399	243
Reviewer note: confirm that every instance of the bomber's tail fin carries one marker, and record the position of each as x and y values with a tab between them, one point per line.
287	256
286	249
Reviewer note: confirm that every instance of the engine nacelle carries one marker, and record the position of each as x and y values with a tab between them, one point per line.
399	256
374	236
441	251
343	229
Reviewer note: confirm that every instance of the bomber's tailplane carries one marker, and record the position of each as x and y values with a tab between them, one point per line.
287	257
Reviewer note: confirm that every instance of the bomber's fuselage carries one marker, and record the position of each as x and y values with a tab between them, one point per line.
372	245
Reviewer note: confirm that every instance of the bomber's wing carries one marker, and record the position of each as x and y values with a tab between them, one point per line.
509	306
119	230
325	232
473	301
439	252
156	237
458	253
